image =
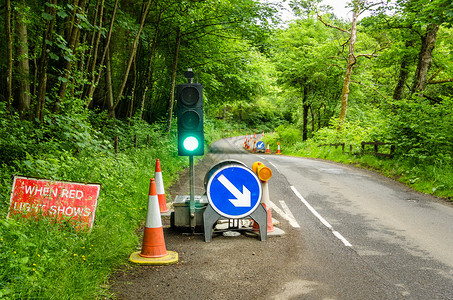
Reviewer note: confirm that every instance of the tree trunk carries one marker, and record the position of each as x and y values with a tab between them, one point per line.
173	80
23	66
95	41
108	85
9	55
150	69
131	58
72	39
404	73
305	107
349	68
425	58
44	62
313	118
134	83
107	45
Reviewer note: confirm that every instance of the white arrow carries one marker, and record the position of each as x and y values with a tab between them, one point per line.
243	199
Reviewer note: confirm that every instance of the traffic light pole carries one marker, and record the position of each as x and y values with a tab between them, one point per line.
192	193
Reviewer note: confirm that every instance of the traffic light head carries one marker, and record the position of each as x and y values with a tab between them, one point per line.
189	98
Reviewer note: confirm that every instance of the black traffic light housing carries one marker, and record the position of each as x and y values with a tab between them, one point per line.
189	98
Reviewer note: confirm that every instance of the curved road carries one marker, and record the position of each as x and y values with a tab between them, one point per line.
361	235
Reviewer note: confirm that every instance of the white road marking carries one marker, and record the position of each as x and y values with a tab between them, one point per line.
341	238
289	214
289	217
320	218
276	169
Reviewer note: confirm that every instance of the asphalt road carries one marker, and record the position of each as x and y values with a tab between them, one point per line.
365	236
351	234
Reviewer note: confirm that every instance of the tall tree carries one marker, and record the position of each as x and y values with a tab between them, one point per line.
22	60
425	58
9	55
72	39
94	83
49	18
171	101
359	7
133	52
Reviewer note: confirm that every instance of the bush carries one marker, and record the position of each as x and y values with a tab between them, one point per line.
423	131
40	260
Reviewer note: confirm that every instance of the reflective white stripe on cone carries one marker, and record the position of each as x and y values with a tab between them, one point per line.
160	188
265	200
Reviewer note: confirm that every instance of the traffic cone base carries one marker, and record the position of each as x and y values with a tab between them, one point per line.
170	258
153	243
270	225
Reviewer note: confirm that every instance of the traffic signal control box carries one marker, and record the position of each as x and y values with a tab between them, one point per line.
189	97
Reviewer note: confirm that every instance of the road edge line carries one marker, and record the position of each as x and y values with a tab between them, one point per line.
320	218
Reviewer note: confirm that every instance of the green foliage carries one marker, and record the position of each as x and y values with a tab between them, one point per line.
422	131
289	135
39	259
423	156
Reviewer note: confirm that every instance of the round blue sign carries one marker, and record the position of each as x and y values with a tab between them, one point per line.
260	145
234	191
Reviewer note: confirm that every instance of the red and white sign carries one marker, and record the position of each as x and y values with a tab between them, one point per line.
75	202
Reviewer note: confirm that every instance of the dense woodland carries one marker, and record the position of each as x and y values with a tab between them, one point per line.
76	73
103	59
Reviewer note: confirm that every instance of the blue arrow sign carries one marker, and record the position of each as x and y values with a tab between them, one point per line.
234	191
260	145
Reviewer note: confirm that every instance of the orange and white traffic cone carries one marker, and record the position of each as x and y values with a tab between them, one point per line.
278	149
254	147
153	250
263	133
265	200
160	188
268	150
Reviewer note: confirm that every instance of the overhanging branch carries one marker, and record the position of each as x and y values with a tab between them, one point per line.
332	26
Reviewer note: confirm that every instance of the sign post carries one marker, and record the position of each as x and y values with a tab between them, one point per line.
234	192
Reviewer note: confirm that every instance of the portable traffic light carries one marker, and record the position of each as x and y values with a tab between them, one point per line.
189	98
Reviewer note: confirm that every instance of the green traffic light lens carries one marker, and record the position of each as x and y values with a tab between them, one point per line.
190	143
